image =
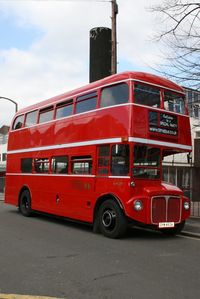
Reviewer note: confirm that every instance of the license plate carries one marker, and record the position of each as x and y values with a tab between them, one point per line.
166	224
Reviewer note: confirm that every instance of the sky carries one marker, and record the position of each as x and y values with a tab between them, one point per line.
44	45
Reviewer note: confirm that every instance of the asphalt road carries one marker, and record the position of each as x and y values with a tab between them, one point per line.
52	257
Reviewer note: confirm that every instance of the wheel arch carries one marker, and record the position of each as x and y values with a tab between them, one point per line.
99	201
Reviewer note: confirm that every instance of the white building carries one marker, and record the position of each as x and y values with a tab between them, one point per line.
3	147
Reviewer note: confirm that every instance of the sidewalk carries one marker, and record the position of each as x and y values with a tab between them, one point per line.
192	226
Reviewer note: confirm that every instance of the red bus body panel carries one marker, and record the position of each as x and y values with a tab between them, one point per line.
76	196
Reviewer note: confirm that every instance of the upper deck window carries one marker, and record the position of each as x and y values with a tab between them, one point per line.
147	95
115	95
18	123
174	102
31	118
64	109
46	114
86	102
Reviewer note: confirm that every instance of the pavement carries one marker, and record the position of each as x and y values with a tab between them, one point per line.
191	229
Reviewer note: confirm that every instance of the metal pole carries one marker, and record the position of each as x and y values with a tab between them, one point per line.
10	100
114	37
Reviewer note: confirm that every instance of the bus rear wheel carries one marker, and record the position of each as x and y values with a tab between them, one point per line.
112	222
25	203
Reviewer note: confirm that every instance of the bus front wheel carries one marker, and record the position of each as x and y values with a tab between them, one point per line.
25	203
112	222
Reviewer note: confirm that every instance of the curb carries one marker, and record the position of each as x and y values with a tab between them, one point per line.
190	234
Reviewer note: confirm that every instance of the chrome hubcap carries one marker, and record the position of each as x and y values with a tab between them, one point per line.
108	219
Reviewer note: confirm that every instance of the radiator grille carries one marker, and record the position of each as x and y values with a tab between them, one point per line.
166	209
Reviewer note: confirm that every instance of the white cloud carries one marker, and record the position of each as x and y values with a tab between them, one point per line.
58	60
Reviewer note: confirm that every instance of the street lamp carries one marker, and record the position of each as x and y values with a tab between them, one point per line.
10	100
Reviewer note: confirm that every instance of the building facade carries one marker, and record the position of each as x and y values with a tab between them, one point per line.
3	154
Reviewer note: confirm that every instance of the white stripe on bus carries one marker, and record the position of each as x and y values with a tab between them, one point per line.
98	142
162	143
68	175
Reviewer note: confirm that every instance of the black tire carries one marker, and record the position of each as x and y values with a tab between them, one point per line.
111	220
25	203
175	230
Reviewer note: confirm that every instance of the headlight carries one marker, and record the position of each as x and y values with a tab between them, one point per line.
186	205
138	205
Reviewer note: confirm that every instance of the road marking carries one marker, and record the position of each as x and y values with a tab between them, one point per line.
15	296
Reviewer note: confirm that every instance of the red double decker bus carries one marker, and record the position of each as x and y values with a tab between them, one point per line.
95	154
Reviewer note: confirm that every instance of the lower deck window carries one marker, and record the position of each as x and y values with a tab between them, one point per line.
103	160
59	165
120	160
41	165
26	165
113	160
81	165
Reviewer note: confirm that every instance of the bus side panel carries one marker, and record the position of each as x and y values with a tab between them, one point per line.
109	123
64	196
11	189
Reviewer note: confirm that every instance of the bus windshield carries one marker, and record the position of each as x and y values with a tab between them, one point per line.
147	95
174	102
147	162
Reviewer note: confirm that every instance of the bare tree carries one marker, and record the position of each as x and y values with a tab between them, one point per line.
181	38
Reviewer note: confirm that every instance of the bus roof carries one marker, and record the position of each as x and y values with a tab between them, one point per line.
136	76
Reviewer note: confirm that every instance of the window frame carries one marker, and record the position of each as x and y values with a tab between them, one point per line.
116	169
144	84
15	124
103	168
61	172
42	162
84	98
81	160
28	166
113	86
146	164
62	105
180	96
44	111
28	113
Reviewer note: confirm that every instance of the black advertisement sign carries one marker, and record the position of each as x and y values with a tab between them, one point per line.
163	123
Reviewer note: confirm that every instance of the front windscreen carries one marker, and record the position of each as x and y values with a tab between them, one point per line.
147	95
146	162
174	102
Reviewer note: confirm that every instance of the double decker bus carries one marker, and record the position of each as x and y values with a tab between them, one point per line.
95	154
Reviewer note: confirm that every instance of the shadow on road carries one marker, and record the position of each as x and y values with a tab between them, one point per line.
132	232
